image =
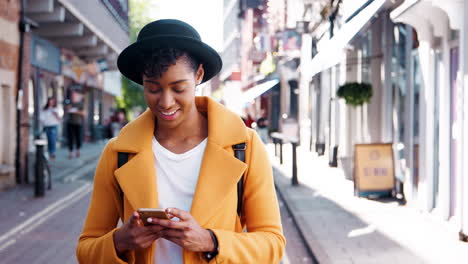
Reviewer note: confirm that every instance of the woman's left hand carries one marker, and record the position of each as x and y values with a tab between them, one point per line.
186	233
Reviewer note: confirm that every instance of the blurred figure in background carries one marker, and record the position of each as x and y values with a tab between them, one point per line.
118	121
75	119
262	129
248	121
50	120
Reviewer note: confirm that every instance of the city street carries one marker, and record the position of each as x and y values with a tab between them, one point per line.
45	230
362	106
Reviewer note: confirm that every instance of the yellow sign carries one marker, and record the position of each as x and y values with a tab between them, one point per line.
373	167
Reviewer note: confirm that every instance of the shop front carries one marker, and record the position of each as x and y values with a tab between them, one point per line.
44	82
431	155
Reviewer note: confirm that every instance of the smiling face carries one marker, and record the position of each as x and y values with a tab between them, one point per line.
171	95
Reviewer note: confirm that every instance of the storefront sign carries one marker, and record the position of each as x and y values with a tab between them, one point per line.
88	74
45	55
373	167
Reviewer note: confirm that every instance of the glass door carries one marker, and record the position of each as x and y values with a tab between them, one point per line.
417	82
437	87
399	84
454	67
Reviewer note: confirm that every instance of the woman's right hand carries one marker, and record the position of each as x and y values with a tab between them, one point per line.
134	235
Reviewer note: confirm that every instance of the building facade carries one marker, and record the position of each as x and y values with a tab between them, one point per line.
68	45
9	57
412	53
230	76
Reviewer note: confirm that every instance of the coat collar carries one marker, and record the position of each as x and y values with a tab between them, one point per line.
219	173
224	128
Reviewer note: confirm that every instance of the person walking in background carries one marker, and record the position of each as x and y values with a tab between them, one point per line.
118	121
262	129
248	121
50	121
75	119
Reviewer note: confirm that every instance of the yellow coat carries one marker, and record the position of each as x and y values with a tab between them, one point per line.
214	204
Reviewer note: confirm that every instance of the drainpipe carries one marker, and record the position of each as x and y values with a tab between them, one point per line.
25	25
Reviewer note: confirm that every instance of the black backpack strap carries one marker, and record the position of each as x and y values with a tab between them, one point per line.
239	153
122	158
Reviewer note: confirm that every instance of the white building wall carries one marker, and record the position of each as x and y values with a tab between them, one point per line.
374	108
464	71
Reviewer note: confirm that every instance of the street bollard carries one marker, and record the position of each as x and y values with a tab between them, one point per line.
275	141
281	151
39	185
294	179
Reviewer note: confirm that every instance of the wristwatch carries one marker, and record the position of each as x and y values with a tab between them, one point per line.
211	255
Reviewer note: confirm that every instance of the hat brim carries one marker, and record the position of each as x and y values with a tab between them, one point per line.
129	61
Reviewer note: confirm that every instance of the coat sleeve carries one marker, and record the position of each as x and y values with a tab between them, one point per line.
264	242
96	242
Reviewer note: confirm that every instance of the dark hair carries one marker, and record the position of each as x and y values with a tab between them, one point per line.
158	61
48	103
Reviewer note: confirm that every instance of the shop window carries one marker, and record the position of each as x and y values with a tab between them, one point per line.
366	57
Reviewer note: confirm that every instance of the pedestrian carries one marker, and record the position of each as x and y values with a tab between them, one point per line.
262	129
74	123
181	159
50	121
248	121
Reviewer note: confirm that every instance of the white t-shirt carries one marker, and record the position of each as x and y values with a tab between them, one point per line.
177	177
49	117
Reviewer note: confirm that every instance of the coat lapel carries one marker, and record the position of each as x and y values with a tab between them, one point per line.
219	174
220	170
137	177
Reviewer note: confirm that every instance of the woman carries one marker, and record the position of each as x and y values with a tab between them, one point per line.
51	120
75	119
181	158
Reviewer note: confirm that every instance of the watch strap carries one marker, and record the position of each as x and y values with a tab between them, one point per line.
211	255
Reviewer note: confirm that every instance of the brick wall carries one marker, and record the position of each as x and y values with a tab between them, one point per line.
10	10
9	54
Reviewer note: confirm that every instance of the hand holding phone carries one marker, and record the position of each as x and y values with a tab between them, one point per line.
146	213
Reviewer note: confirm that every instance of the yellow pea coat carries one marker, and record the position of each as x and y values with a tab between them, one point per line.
214	203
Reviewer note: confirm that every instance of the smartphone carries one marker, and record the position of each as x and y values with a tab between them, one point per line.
145	213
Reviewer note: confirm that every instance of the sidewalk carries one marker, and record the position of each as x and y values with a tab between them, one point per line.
19	204
340	228
62	168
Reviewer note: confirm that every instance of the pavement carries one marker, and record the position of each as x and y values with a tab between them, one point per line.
45	229
340	228
67	170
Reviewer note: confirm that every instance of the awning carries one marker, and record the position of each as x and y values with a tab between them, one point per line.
258	90
332	54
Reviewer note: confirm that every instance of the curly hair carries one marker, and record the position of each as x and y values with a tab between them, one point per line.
158	61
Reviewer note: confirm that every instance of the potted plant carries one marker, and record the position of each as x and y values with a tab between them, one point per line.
354	93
